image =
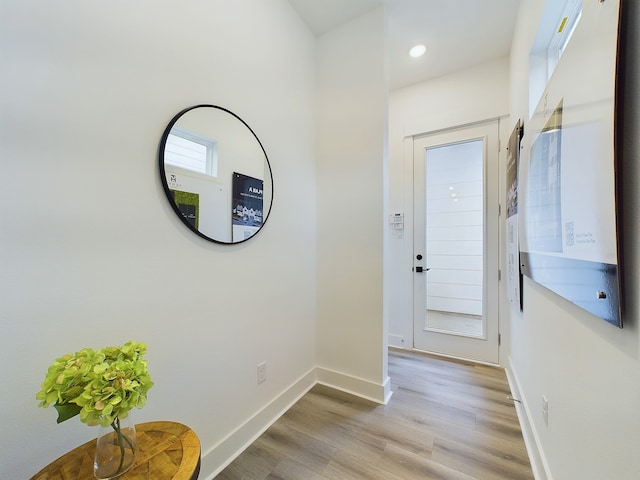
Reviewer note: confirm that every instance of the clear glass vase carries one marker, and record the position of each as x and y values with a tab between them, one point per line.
115	449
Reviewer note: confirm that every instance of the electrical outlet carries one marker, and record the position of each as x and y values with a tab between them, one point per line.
545	410
262	372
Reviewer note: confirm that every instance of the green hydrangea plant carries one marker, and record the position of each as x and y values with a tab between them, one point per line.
101	386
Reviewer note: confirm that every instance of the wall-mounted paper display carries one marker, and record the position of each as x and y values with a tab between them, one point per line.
567	195
513	261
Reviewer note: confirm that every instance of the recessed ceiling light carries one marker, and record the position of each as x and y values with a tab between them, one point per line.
417	51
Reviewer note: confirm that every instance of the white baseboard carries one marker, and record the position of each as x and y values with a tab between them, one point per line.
218	457
531	439
379	393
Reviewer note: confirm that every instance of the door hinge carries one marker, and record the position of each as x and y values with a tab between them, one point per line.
499	209
499	274
499	339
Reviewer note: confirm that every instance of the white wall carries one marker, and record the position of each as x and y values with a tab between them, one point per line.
352	89
588	370
472	95
91	252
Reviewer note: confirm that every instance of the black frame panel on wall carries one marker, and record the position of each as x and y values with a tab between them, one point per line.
568	225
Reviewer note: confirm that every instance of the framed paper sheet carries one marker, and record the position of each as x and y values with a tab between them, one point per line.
513	262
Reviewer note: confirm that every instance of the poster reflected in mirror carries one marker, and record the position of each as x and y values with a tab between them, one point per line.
247	206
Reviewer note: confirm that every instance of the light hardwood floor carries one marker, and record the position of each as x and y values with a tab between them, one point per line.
446	420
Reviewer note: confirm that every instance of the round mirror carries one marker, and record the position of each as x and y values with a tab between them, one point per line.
216	174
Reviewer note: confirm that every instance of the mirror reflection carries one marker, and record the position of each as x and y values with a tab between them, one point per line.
216	174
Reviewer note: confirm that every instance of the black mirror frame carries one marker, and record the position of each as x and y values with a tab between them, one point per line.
167	190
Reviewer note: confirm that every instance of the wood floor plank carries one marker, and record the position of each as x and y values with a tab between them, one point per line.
289	469
414	403
500	426
257	463
334	430
348	467
479	462
409	435
297	446
447	420
415	467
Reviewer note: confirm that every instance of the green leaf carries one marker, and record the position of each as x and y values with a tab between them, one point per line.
67	411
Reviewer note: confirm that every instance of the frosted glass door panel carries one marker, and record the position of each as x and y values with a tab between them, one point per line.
454	228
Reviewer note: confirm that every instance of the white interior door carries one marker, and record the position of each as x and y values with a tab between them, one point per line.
456	243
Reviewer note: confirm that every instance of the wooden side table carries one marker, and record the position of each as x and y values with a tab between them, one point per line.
166	451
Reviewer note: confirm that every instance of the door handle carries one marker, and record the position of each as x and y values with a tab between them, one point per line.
422	269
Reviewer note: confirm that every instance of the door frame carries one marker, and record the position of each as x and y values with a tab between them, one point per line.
493	221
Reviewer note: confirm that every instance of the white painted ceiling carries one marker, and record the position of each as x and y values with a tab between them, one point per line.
458	33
